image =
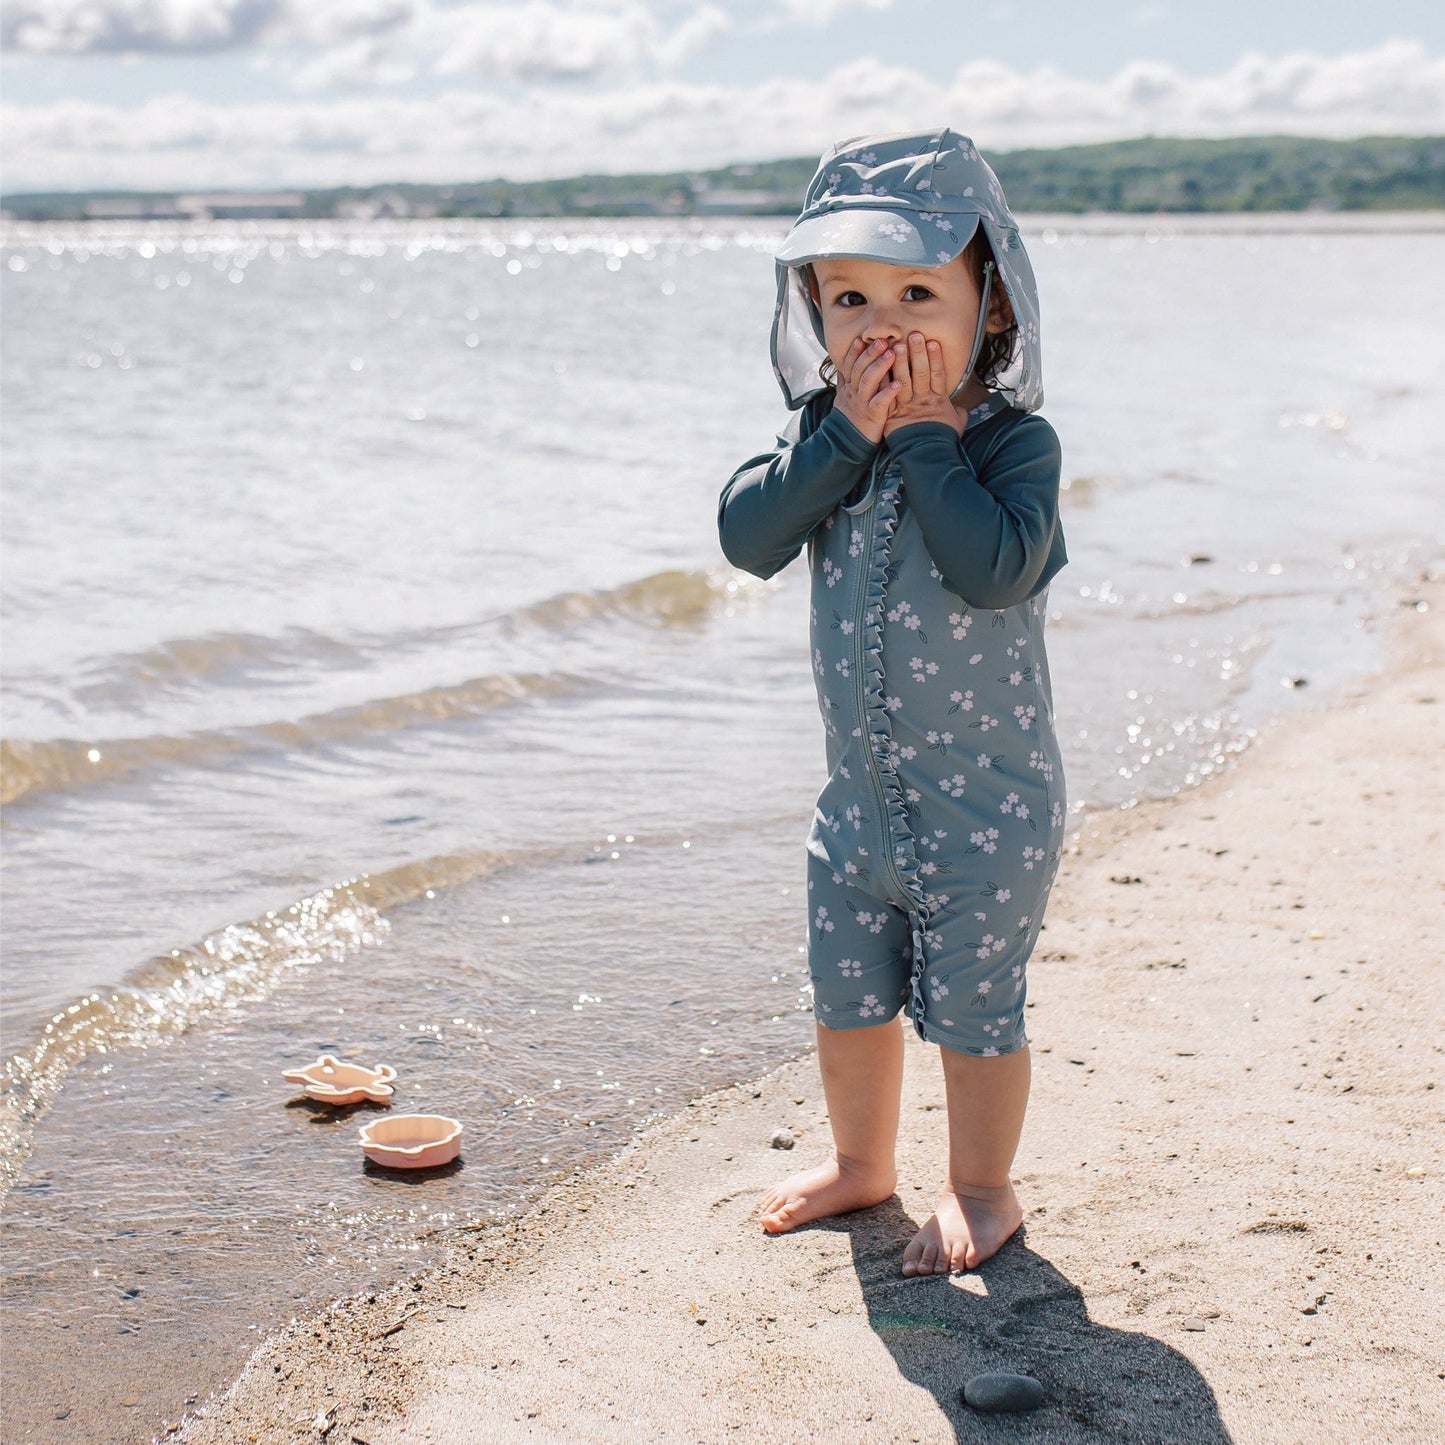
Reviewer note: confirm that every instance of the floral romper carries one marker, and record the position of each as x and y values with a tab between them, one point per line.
937	836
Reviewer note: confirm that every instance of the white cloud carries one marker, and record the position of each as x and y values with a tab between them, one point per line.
178	27
179	141
824	12
377	42
540	42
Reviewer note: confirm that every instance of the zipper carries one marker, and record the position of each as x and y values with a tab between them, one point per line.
870	762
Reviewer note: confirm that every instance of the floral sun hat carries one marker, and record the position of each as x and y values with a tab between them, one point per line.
911	199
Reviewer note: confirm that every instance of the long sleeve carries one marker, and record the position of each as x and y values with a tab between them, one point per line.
772	503
993	533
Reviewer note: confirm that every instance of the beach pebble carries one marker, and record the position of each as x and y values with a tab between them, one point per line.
997	1390
782	1139
1194	1323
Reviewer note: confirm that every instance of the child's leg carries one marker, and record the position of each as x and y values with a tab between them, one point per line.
862	1073
978	1210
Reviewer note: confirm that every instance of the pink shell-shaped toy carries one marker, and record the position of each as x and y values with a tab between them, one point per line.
412	1141
332	1082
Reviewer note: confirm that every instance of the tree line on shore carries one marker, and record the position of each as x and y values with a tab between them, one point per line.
1148	175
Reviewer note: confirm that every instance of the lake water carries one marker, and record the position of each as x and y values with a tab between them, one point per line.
373	684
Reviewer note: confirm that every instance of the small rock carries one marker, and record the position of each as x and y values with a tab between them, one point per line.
1415	1173
1194	1323
800	1100
782	1139
997	1391
131	1401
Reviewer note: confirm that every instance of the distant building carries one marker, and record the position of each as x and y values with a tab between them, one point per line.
732	200
240	205
131	208
384	205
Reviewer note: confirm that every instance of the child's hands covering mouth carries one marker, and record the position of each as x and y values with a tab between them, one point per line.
920	389
865	390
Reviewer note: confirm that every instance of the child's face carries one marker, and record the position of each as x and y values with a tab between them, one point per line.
873	300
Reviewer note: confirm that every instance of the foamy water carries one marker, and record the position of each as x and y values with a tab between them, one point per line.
372	683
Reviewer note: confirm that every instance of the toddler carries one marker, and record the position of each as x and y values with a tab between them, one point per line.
906	339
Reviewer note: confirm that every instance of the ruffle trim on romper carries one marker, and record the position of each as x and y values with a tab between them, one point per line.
880	738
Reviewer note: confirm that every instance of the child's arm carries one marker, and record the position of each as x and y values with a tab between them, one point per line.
995	537
770	506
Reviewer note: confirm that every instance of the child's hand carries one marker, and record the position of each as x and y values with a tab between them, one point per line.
921	390
864	389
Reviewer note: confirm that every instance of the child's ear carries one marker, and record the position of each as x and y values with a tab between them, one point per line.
1000	309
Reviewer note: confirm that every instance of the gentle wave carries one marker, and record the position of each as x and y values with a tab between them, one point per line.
28	768
241	963
673	598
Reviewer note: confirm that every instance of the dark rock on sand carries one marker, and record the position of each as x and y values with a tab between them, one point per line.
997	1390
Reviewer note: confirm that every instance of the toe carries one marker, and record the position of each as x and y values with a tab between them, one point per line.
928	1260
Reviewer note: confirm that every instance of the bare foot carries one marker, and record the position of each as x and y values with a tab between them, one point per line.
831	1188
967	1228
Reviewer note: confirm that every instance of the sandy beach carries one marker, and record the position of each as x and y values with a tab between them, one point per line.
1231	1173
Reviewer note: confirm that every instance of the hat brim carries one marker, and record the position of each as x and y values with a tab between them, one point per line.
878	233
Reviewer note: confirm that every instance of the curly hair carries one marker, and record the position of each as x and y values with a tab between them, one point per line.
999	350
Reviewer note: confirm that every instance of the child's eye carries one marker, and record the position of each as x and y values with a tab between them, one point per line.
923	293
851	298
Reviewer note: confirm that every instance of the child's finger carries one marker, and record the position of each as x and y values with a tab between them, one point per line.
850	358
875	373
918	363
902	373
937	380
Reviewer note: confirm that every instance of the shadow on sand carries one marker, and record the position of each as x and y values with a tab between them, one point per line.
1099	1383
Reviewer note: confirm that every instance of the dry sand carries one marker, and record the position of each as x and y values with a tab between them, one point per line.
1232	1177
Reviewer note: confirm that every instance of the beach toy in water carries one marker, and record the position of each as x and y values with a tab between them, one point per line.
330	1081
412	1141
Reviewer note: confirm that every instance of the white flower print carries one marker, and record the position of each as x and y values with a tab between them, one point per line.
1031	856
832	572
984	761
953	786
1022	811
854	814
961	701
873	922
871	1007
1009	803
855	544
975	659
822	922
985	840
985	987
913	795
850	867
1015	678
894	230
938	989
1026	716
892	704
818	661
844	666
851	967
1041	764
944	258
989	1053
960	622
985	722
866	158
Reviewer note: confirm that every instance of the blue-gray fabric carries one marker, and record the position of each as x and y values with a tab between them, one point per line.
937	836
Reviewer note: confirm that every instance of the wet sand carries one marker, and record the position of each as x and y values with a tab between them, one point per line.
1231	1172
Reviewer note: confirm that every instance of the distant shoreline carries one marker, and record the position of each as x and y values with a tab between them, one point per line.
1151	175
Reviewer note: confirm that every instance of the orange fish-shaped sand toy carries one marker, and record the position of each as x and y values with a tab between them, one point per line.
329	1081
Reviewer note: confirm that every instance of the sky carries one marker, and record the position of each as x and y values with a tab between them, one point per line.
219	94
